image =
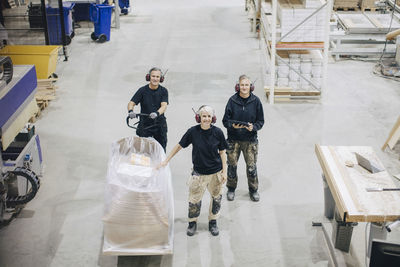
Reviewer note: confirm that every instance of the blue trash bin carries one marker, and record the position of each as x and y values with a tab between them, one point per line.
101	17
54	24
124	6
81	12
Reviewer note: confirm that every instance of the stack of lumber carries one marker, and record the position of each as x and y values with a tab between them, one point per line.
291	13
46	91
345	5
368	5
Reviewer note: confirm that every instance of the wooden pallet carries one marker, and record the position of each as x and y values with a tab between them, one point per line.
363	9
46	91
346	8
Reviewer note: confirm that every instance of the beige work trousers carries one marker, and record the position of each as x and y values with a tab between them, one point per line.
197	187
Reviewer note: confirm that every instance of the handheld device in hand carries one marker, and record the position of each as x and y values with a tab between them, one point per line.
241	123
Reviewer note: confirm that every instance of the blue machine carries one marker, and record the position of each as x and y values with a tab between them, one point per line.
20	152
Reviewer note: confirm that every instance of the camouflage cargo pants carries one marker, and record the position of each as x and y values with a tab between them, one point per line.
197	186
250	152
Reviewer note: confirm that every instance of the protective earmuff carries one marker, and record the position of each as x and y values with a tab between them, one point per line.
237	87
153	69
198	119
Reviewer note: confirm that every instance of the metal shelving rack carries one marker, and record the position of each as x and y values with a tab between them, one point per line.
270	45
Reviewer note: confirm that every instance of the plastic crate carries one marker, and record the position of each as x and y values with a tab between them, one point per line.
44	57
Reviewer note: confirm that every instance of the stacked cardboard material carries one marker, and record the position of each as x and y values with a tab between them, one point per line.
291	13
367	4
138	217
346	4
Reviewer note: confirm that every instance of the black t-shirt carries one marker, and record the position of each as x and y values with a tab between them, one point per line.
206	146
150	100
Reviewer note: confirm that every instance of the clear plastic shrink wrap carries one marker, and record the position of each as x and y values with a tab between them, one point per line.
139	206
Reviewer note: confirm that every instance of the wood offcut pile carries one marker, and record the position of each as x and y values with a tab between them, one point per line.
46	91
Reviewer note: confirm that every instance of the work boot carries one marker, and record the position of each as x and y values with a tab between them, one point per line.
230	195
254	196
213	228
191	230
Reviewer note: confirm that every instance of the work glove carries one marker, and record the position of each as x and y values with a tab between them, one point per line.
153	115
132	114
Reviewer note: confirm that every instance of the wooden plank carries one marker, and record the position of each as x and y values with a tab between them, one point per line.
394	136
331	182
299	45
294	93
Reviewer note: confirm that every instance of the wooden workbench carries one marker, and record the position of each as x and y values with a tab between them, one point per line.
348	185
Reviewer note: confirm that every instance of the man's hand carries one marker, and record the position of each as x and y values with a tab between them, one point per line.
250	127
153	115
132	114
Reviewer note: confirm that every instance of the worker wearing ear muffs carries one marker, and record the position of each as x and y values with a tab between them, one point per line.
153	100
243	117
209	167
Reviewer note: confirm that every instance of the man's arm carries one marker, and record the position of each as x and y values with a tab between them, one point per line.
131	105
224	165
227	116
163	108
260	117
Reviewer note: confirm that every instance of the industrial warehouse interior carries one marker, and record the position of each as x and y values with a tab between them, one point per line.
319	204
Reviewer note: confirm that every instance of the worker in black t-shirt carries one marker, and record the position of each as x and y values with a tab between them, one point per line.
209	167
153	100
243	117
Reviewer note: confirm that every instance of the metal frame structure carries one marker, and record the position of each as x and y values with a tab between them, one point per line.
270	45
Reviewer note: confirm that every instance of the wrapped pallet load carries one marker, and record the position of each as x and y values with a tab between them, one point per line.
139	216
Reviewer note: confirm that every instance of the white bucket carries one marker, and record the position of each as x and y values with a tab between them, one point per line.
294	85
303	83
283	82
293	76
316	81
283	71
316	70
305	66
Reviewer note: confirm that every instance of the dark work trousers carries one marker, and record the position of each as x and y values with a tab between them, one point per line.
158	132
250	152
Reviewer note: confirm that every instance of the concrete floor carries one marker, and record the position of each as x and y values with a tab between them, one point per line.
205	45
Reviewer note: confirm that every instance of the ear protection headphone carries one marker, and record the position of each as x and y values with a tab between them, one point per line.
155	69
237	86
198	118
